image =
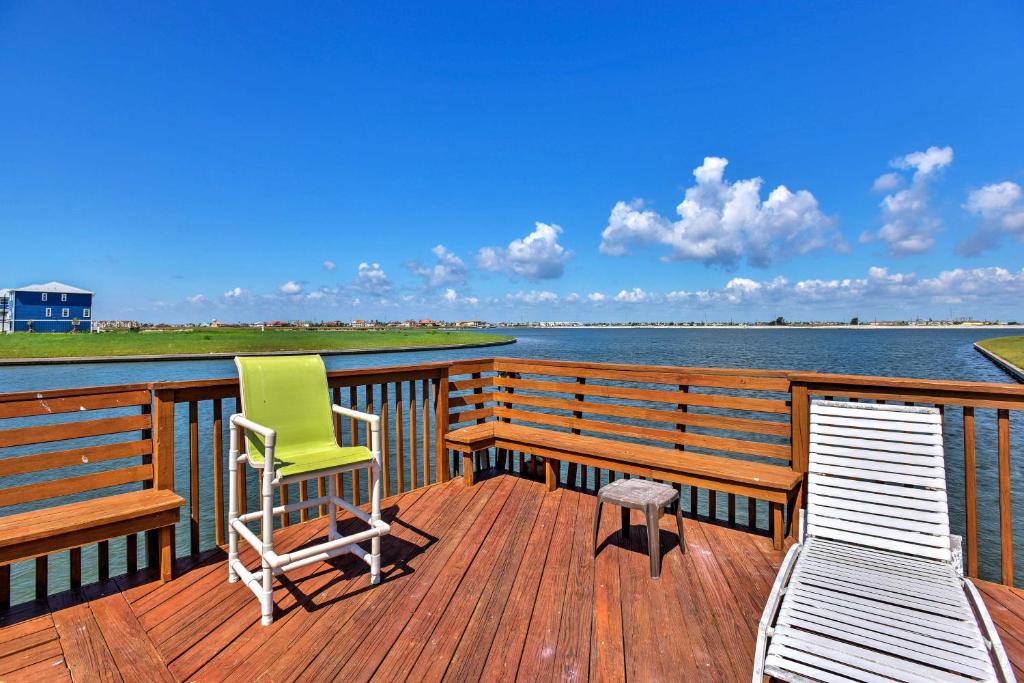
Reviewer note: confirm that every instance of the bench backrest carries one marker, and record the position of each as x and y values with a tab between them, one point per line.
876	477
53	444
727	412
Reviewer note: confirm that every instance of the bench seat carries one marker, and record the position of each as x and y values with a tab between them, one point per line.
38	532
776	484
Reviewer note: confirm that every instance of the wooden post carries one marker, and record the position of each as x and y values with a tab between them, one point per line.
467	468
385	441
163	467
441	465
1005	503
800	444
193	472
551	467
399	437
577	415
218	472
970	492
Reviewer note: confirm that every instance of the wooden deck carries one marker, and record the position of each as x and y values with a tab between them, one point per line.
484	583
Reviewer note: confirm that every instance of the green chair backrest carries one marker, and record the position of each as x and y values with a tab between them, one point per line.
288	394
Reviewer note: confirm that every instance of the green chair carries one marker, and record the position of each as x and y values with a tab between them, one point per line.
289	435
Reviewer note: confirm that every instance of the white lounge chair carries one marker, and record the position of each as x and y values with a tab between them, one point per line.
874	590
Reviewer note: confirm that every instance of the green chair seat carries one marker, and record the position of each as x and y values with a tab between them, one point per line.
324	458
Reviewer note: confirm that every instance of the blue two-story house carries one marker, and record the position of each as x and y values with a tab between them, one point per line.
51	307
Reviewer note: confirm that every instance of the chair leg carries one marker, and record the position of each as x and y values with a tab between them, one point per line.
597	525
232	506
679	527
653	513
266	572
467	468
332	510
375	515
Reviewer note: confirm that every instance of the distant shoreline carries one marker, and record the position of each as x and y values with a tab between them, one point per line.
763	327
1002	363
142	358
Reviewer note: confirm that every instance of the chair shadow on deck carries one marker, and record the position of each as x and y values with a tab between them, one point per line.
396	553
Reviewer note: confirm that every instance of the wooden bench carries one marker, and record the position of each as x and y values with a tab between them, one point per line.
772	483
82	467
544	408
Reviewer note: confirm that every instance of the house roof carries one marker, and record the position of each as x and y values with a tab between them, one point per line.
57	287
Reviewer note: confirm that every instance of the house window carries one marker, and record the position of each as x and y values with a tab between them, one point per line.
49	312
64	312
44	296
86	313
63	297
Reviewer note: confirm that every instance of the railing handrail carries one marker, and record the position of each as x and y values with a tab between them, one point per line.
1008	391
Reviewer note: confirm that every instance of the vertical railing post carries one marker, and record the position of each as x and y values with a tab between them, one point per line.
1005	494
800	443
441	464
971	492
163	467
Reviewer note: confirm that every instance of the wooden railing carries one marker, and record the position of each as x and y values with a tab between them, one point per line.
749	415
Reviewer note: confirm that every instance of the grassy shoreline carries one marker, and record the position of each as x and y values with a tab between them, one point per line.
1010	349
204	341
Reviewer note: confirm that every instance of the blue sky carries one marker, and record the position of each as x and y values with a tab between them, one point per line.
197	161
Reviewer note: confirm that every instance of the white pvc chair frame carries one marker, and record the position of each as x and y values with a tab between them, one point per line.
274	563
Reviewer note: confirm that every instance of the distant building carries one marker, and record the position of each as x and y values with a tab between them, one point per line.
111	325
50	307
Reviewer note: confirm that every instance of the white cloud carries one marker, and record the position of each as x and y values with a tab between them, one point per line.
236	293
371	279
330	265
448	270
992	286
572	298
596	297
908	224
633	296
1000	209
538	256
450	296
533	297
887	182
196	299
291	287
722	223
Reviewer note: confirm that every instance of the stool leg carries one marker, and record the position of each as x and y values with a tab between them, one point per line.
597	524
653	539
624	512
679	527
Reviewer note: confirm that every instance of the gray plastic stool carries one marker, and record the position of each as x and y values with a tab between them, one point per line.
640	494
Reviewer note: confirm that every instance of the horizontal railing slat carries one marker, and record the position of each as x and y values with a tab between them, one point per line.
73	404
75	456
26	436
55	488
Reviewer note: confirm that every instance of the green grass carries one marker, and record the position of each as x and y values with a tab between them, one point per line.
205	340
1008	348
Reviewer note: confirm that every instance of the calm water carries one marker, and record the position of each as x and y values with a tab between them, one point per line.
941	354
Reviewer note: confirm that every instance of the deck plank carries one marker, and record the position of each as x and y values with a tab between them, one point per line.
432	583
479	639
504	548
319	583
493	582
85	649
